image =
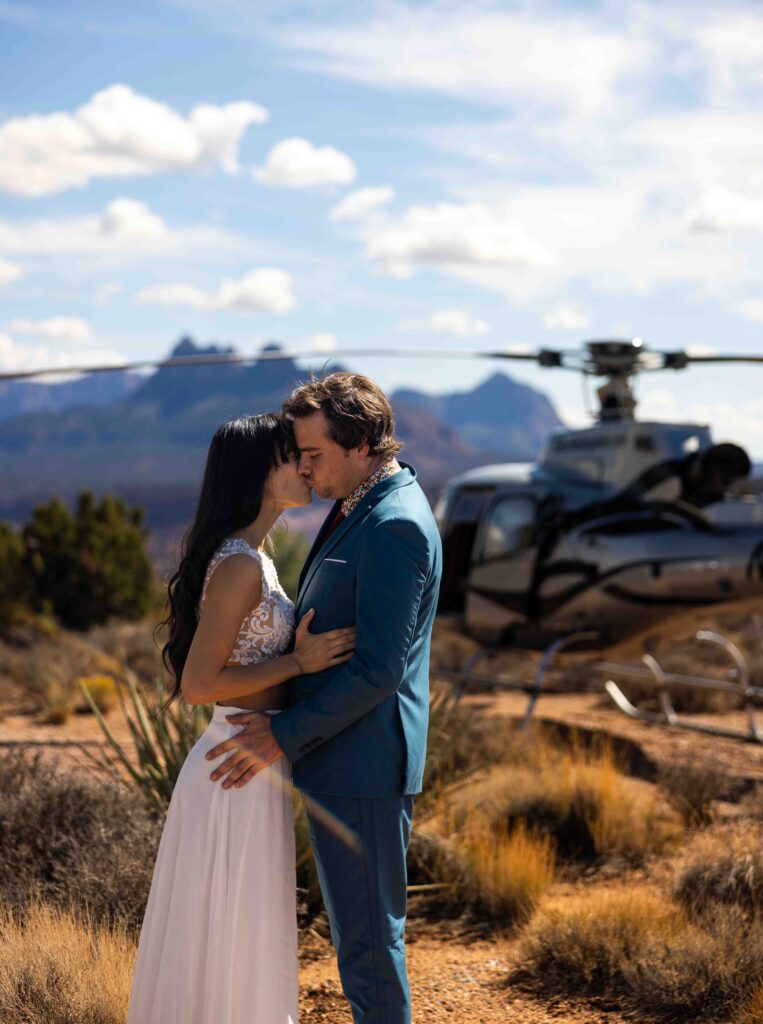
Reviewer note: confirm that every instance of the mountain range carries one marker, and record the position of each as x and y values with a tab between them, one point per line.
146	437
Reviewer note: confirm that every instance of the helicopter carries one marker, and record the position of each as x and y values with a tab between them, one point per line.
616	526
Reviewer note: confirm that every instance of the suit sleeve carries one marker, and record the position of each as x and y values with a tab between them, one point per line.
392	574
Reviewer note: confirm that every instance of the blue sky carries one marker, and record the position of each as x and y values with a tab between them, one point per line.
410	174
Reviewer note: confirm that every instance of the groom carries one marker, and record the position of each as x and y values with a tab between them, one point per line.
356	733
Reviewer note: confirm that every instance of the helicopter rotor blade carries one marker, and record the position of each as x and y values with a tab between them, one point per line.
725	359
233	358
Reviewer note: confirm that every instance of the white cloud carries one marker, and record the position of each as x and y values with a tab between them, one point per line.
731	43
741	422
126	227
118	133
455	322
297	163
54	328
573	416
14	357
361	202
450	234
106	291
10	272
565	318
752	309
320	342
723	211
548	237
481	54
267	289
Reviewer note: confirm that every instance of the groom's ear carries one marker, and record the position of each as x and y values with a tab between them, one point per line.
364	449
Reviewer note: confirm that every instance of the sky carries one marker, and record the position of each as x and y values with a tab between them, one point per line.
406	174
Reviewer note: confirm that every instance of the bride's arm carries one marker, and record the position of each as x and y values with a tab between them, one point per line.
234	588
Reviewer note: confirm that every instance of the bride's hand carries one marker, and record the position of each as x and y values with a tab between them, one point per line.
316	651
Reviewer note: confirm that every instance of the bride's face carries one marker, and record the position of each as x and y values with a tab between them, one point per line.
286	487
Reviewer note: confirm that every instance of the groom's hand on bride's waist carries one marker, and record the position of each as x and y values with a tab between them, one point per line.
251	750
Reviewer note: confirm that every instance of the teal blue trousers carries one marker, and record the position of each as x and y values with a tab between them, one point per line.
359	847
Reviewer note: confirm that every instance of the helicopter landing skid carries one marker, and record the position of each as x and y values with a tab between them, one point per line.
466	675
739	682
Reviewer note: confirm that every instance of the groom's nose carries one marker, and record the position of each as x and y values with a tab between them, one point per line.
303	466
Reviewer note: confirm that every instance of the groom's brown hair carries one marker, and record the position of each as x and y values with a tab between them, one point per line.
356	409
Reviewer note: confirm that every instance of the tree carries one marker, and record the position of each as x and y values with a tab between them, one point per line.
90	566
15	589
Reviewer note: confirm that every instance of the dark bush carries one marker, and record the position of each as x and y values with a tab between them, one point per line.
91	566
731	874
73	839
15	589
693	787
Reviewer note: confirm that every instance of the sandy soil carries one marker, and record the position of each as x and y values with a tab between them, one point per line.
454	978
451	983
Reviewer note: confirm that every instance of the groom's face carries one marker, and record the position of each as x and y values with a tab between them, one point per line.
331	470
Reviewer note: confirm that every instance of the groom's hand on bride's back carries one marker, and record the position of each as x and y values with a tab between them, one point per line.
317	651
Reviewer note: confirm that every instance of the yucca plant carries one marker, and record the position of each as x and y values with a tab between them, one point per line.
163	736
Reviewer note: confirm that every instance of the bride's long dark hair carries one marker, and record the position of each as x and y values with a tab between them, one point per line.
241	455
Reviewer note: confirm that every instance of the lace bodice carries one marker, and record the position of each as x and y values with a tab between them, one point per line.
268	628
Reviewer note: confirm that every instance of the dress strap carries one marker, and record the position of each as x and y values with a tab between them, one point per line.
235	546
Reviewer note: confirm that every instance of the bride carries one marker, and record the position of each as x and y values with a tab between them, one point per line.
219	938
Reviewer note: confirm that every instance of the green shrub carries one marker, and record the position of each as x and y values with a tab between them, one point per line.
15	587
90	566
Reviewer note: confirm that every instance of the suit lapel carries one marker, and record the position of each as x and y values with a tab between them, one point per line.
320	549
317	543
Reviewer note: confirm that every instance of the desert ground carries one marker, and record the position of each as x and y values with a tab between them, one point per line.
465	965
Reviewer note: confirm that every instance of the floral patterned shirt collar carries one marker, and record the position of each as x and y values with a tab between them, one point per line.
352	500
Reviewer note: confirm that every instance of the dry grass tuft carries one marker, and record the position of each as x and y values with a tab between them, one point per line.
507	873
59	703
39	656
752	1011
583	945
692	787
580	799
61	969
103	689
725	870
634	947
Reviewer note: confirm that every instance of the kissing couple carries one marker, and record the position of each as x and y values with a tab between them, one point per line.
340	704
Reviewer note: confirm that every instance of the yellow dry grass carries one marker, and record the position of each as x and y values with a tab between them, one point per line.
57	968
510	870
576	794
752	1012
102	688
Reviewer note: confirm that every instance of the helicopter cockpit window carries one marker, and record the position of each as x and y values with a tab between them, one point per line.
510	528
469	503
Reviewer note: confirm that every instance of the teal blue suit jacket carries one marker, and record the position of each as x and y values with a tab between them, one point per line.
360	729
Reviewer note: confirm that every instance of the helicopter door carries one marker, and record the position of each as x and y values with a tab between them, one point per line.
459	531
501	579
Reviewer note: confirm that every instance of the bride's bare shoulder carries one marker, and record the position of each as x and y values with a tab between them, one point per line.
237	577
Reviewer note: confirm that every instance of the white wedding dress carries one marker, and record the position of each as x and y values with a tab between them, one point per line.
219	938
